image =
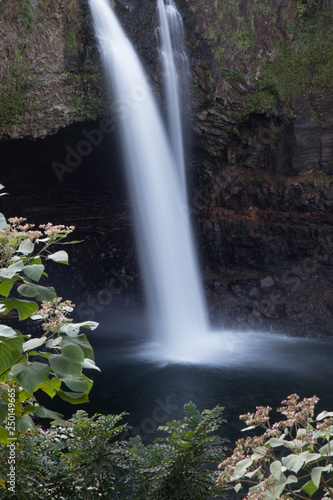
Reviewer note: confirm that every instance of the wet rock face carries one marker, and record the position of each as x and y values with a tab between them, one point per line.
51	75
250	75
263	219
299	303
268	240
138	18
302	144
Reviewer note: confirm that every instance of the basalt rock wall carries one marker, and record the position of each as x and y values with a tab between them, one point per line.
262	158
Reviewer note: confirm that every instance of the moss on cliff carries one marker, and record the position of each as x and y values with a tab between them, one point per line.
303	64
51	74
273	54
264	60
88	97
16	79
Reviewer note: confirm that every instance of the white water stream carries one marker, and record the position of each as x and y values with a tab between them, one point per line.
176	77
176	306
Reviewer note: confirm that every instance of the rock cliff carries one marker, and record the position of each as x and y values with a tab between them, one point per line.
262	161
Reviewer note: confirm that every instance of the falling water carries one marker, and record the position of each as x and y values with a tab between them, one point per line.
177	77
175	303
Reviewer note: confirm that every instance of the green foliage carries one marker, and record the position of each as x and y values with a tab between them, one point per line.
215	149
290	459
12	103
243	36
54	362
278	69
177	466
90	104
322	181
84	458
231	75
192	9
79	459
71	41
301	65
260	100
28	15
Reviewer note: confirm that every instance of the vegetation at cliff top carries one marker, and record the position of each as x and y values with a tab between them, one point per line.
276	58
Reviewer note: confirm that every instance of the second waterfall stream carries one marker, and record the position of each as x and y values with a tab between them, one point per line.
177	313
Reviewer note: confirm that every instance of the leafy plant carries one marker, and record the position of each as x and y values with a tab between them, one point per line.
291	459
54	362
85	458
79	459
181	465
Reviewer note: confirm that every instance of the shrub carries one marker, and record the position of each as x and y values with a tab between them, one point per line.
290	459
85	458
79	459
182	465
54	361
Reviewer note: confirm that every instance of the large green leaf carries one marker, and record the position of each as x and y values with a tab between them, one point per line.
50	386
5	437
40	292
23	395
74	397
25	308
61	257
33	343
7	332
310	488
327	449
324	414
24	424
317	472
45	413
82	342
26	247
51	343
11	270
69	362
31	375
76	384
278	487
241	468
295	462
10	353
34	272
7	285
73	329
274	442
90	364
276	469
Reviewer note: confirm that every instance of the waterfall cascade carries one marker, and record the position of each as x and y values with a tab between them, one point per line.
176	306
176	77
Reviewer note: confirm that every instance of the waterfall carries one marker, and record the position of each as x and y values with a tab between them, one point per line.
177	77
176	307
